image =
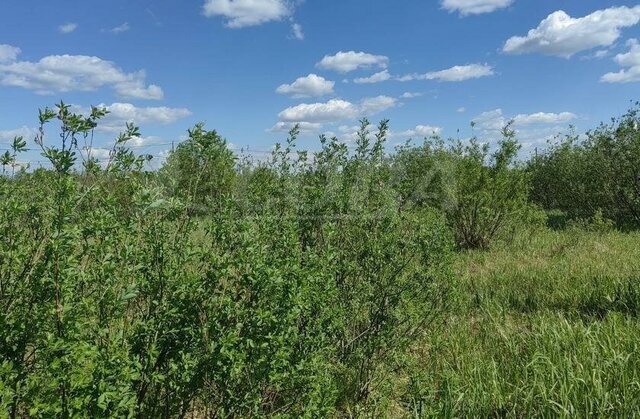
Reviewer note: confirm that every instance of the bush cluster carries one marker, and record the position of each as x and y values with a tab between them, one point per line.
122	295
599	172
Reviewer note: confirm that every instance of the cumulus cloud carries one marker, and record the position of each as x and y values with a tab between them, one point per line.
474	7
297	32
8	53
243	13
453	74
601	53
531	129
333	110
491	120
66	73
375	78
25	132
543	118
68	27
97	153
345	62
160	115
305	127
421	131
121	113
630	62
495	120
562	35
149	141
374	105
336	110
309	86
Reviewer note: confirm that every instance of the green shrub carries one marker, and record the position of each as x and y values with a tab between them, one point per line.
597	223
425	176
484	197
489	198
201	168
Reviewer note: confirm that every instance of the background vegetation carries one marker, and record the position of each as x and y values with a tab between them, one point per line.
444	279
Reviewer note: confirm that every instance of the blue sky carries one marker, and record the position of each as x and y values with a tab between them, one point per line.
252	68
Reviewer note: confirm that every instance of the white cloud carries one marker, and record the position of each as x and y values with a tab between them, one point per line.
531	129
543	118
630	62
348	129
98	153
374	105
345	62
495	120
119	29
461	110
349	133
66	73
331	111
121	113
243	13
297	32
8	53
25	132
600	53
422	131
540	136
309	86
375	78
336	110
474	7
140	142
305	127
68	27
141	115
562	35
453	74
410	95
490	120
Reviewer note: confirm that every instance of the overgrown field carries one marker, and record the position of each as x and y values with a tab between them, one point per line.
440	279
545	327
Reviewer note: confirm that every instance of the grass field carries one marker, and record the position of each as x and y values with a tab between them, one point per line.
545	327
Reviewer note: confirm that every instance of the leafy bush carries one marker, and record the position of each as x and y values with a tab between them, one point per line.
484	197
201	168
425	176
598	223
489	197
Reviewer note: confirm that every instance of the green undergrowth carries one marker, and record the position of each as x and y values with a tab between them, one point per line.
546	327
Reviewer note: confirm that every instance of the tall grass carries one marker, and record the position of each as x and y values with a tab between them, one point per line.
545	328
